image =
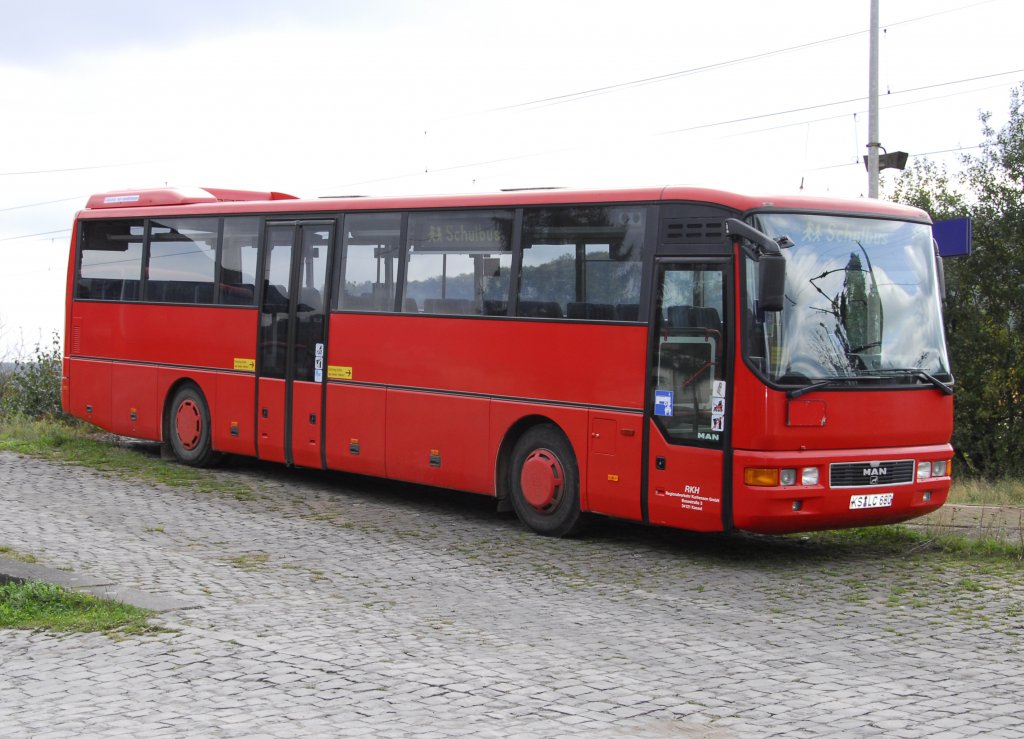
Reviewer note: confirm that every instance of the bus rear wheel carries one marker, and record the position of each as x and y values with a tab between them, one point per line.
545	486
188	428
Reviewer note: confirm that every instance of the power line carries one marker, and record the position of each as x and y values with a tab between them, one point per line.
883	107
548	152
33	235
570	97
70	169
582	94
831	104
45	202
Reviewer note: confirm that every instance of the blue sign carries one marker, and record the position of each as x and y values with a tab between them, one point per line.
953	237
664	400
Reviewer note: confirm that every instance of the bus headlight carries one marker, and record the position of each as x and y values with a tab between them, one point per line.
770	477
924	471
809	476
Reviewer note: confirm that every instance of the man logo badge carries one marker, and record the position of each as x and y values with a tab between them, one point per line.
874	474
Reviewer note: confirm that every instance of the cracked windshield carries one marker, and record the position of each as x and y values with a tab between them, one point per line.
862	301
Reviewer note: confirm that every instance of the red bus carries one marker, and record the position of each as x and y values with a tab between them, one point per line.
682	357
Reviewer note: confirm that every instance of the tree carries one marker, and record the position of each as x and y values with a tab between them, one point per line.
984	309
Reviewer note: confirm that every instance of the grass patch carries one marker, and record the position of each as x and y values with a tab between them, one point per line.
250	562
902	540
15	554
79	443
38	605
1005	492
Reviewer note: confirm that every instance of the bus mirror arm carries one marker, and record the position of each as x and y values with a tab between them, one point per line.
771	265
736	227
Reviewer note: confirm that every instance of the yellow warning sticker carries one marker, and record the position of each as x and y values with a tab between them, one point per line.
245	365
334	372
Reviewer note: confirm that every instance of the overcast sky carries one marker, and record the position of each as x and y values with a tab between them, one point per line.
396	96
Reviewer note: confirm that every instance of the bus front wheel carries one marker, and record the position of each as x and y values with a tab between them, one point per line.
188	428
545	486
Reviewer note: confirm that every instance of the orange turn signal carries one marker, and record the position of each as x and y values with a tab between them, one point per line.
761	477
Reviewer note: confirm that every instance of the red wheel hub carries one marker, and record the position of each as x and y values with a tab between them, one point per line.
542	479
188	423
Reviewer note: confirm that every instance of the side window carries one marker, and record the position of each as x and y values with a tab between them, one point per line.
689	380
110	260
366	274
459	262
582	263
182	260
237	283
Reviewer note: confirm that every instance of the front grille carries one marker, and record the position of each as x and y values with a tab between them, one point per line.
871	474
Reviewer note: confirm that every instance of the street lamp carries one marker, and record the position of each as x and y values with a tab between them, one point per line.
895	160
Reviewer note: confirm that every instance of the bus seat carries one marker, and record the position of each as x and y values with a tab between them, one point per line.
591	311
173	292
130	290
692	316
357	302
454	306
495	307
539	309
627	312
235	294
275	298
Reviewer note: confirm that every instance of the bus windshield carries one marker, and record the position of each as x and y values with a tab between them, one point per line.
862	303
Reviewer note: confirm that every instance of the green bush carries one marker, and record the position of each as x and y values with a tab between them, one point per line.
32	387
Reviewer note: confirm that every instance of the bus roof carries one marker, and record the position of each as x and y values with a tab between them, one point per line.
212	201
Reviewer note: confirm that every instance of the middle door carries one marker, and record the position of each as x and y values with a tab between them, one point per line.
292	345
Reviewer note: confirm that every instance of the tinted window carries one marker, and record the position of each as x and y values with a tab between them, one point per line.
110	261
182	260
368	268
237	284
582	263
459	262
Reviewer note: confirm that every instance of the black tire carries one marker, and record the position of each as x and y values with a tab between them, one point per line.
545	483
188	428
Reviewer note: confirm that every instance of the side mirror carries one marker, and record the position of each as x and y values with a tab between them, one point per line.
771	282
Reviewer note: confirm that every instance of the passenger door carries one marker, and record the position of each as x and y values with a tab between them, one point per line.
292	342
689	395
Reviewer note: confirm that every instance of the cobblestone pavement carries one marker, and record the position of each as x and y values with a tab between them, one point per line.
341	606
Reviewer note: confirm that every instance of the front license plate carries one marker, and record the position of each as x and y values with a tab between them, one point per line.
879	500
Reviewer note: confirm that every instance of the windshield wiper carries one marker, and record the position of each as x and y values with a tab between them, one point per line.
797	392
921	375
874	375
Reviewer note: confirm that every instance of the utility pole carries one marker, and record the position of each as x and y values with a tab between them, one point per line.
873	139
